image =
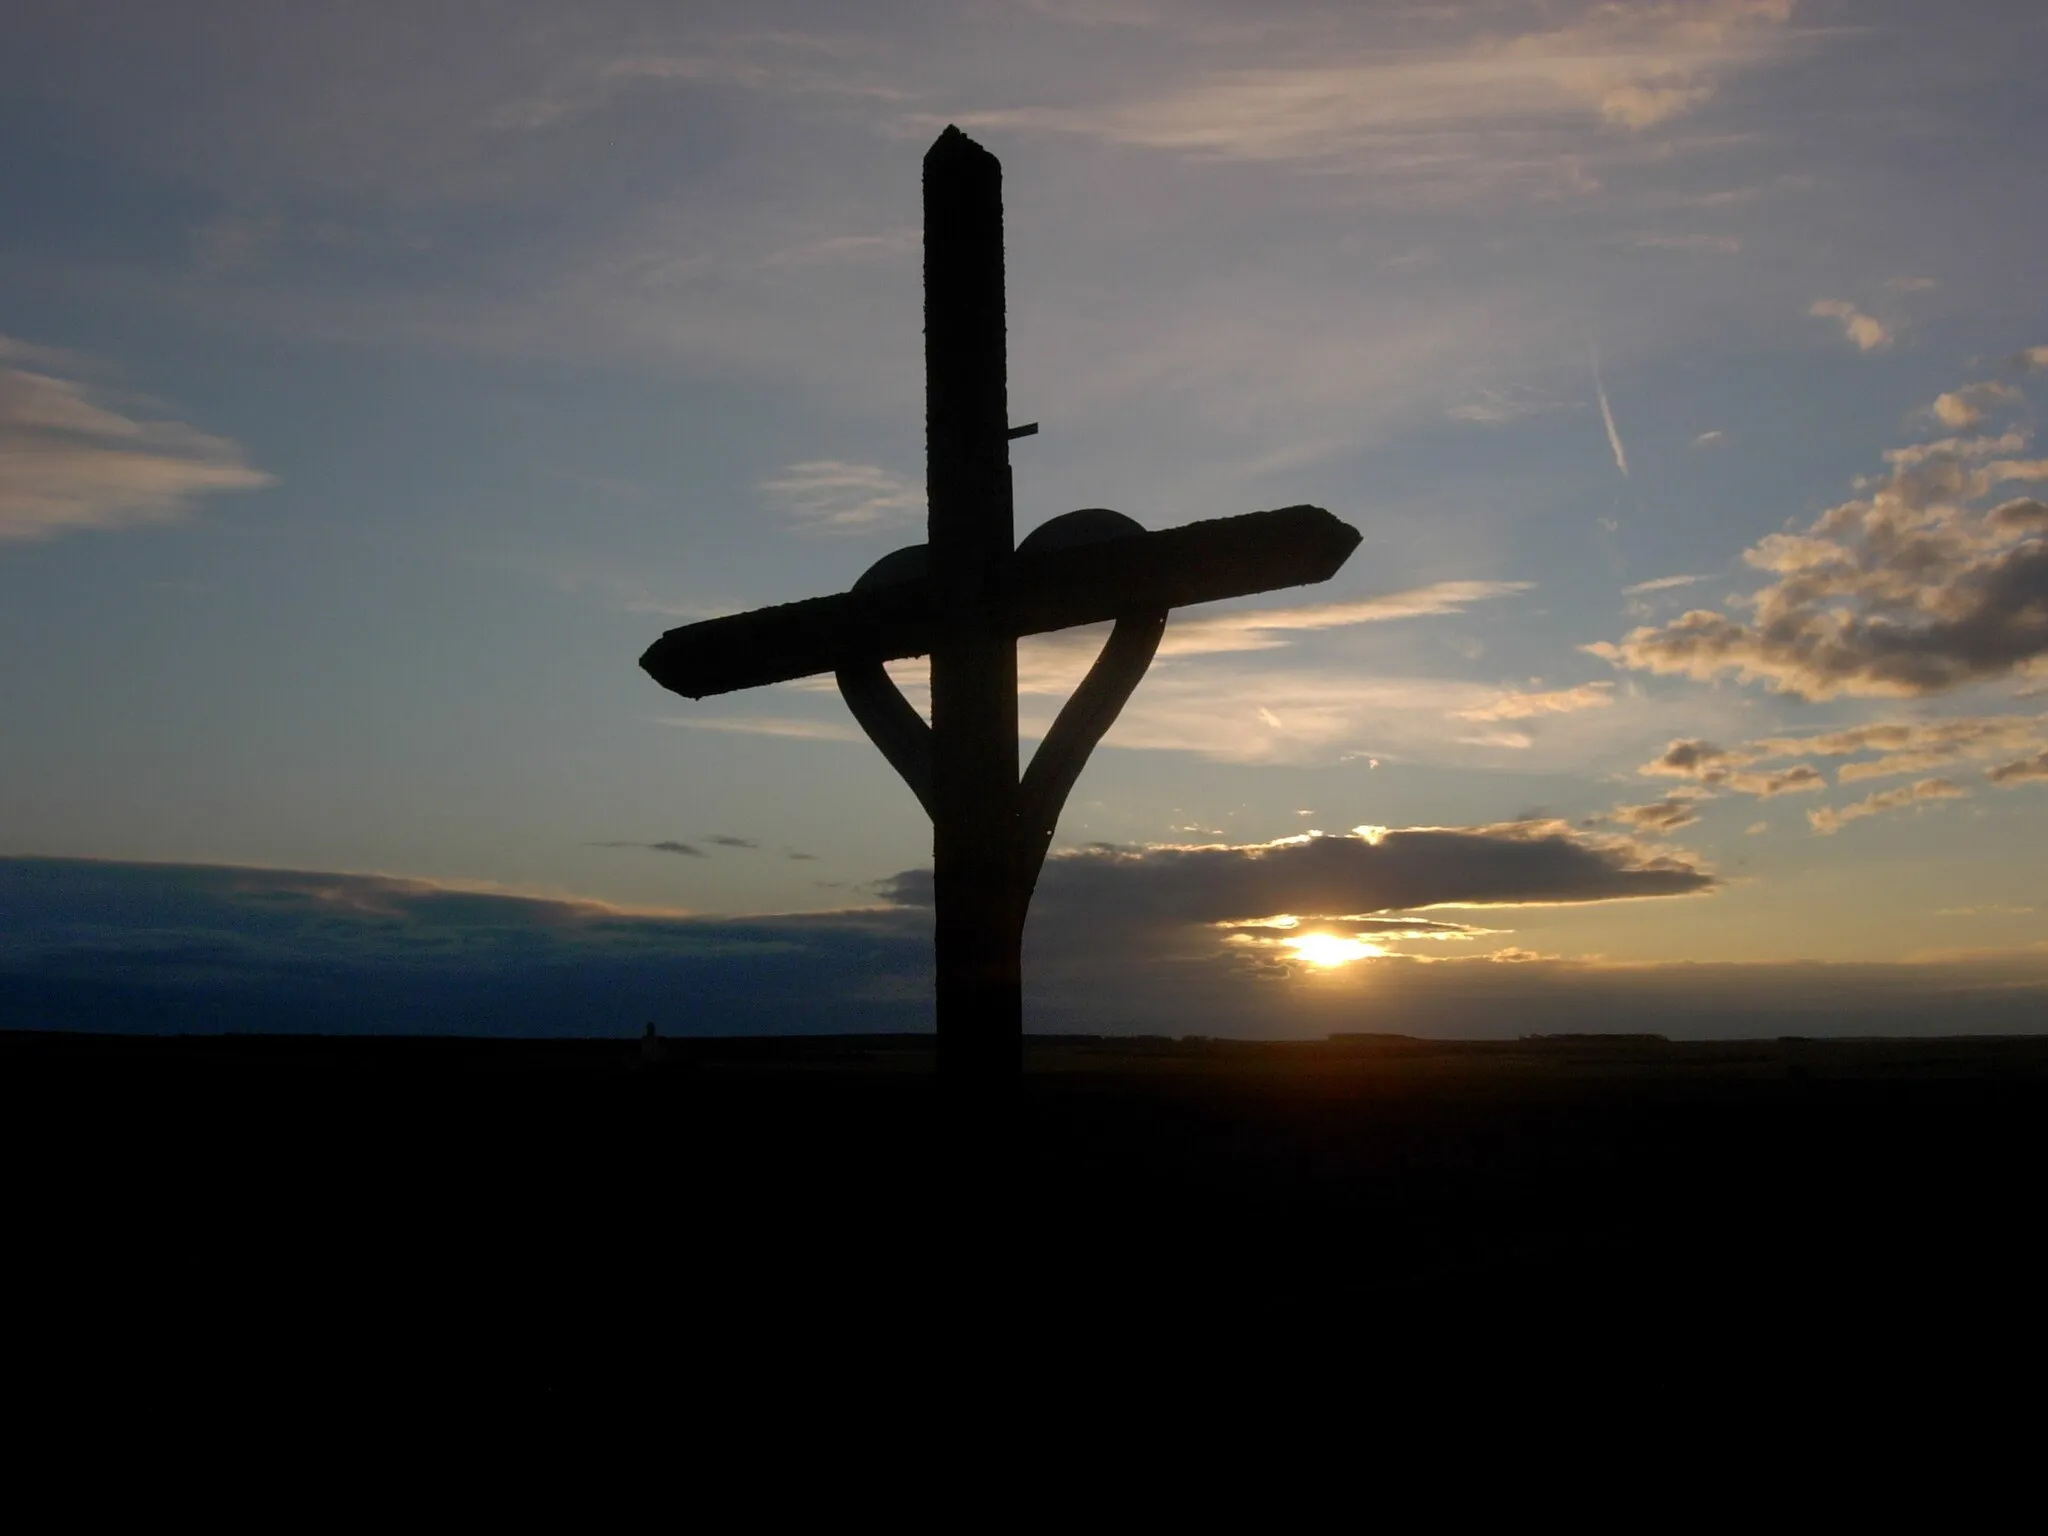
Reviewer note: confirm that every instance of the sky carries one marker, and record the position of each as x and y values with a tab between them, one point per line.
376	383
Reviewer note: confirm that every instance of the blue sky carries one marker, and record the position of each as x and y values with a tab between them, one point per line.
374	387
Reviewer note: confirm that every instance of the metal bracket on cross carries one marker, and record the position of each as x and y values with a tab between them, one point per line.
964	598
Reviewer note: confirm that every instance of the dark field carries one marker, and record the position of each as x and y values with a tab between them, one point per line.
1351	1168
562	1226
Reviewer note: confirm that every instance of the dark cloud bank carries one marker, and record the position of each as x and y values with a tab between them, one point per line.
1121	940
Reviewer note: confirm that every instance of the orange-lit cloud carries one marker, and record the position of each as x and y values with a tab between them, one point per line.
1533	704
1828	820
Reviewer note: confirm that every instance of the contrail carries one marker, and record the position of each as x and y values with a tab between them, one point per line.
1607	415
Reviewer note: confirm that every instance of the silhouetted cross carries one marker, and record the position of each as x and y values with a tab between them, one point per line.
964	598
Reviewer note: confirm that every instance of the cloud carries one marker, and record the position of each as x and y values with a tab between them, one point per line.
1525	706
1475	110
1962	410
1718	768
1660	584
1201	922
1263	629
1700	760
1607	416
1828	821
1909	746
1909	590
1868	333
1666	815
1895	746
1194	700
1257	714
687	850
1494	405
1369	871
1708	439
792	728
209	948
835	496
2021	770
786	64
725	840
69	461
895	244
1800	778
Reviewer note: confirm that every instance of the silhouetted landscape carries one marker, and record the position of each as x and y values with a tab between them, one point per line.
1503	1173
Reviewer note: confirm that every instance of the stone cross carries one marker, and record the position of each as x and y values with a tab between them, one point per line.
963	598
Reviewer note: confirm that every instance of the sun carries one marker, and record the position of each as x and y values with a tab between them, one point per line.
1327	951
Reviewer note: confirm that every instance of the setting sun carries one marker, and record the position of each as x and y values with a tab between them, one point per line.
1327	951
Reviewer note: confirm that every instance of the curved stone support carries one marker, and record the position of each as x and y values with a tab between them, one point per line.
1086	717
892	724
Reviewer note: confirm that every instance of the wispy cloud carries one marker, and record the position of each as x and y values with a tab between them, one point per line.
1528	705
1245	712
1827	820
837	496
686	850
1458	111
1660	584
69	461
1714	767
894	244
1607	416
1504	403
1264	629
768	725
787	64
1666	815
1882	749
2022	770
1909	746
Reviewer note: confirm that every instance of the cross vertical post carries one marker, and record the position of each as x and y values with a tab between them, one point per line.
974	658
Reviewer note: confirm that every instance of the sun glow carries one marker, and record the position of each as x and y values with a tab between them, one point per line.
1327	951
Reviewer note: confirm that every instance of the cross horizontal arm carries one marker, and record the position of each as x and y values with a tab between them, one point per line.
1052	589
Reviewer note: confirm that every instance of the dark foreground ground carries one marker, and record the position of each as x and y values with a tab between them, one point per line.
508	1185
